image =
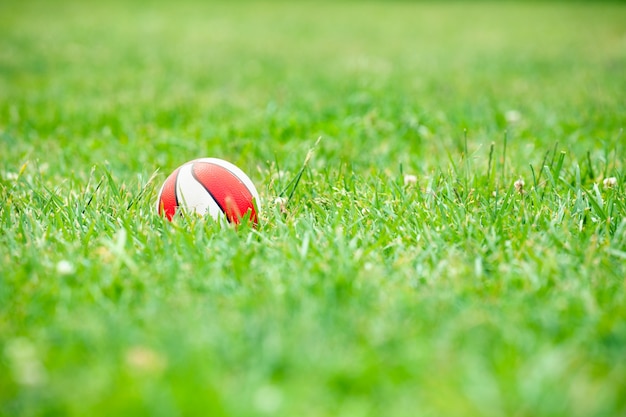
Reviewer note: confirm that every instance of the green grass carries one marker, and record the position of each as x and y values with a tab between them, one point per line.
456	295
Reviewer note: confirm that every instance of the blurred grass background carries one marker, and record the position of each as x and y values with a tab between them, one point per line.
273	75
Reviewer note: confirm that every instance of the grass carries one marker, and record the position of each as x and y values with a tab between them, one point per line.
453	292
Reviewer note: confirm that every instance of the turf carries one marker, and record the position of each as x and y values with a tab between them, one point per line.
456	244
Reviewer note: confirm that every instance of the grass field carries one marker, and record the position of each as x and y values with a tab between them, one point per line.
456	245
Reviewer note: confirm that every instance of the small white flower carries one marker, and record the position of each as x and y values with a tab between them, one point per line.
278	175
268	399
512	116
609	182
423	131
519	186
144	359
23	360
410	179
281	203
65	267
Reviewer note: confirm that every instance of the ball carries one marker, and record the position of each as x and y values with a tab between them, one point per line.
209	186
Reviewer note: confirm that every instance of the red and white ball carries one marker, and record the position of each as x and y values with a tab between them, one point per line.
209	186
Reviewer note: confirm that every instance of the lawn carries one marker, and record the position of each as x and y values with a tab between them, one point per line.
456	244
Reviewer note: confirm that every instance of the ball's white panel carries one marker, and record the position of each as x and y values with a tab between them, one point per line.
192	195
238	173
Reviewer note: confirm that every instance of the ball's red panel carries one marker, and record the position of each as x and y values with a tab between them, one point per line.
228	191
168	202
